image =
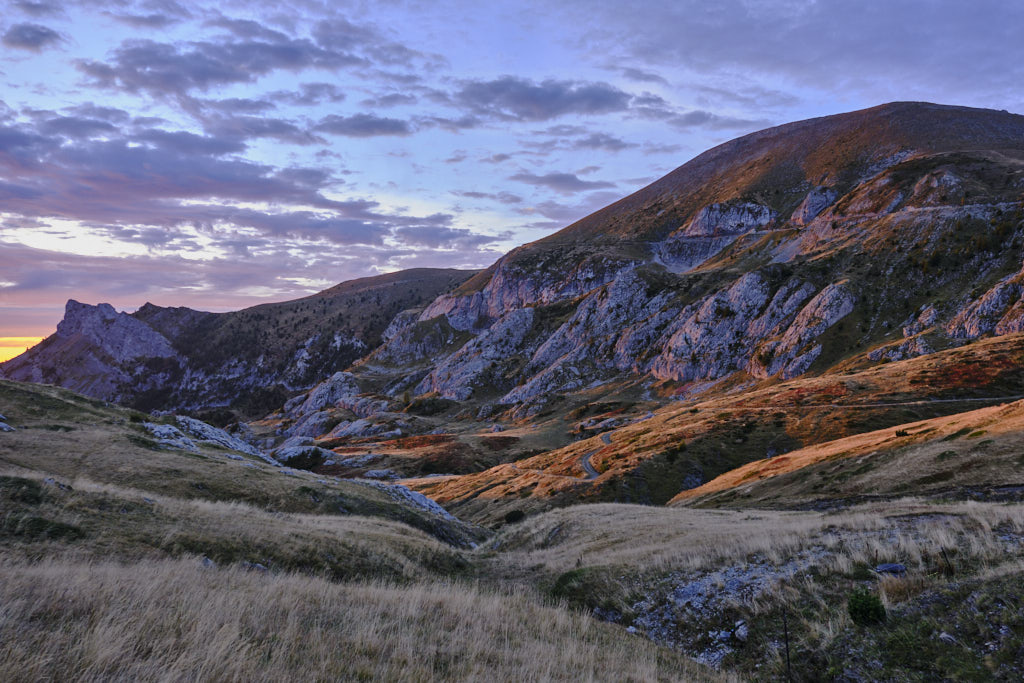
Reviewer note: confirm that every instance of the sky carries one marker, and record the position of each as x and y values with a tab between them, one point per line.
222	154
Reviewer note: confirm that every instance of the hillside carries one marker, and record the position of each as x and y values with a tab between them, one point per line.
805	253
249	360
123	557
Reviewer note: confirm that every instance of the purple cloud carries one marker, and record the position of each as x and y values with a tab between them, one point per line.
519	99
362	126
159	68
33	37
563	183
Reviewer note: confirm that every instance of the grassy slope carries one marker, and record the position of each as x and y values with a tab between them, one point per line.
975	450
965	563
101	537
75	607
651	460
175	620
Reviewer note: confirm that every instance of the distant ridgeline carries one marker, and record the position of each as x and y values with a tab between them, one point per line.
250	360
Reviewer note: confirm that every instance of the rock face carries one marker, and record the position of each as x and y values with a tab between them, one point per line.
179	358
813	204
719	273
457	376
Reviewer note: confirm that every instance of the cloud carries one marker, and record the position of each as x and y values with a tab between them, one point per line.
707	119
602	141
245	127
163	69
563	183
906	49
237	105
519	99
33	37
188	144
76	127
503	197
395	99
362	126
147	21
39	9
93	111
453	125
312	93
440	237
559	215
642	76
367	39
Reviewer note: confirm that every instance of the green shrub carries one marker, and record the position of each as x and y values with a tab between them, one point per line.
865	608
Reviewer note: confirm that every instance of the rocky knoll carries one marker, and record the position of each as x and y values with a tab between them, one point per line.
251	360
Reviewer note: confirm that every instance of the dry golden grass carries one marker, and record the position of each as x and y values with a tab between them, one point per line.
980	447
174	620
650	539
725	431
132	524
69	437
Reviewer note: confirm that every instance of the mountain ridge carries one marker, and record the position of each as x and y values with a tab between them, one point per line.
858	239
177	357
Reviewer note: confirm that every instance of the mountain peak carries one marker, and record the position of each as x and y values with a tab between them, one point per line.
782	163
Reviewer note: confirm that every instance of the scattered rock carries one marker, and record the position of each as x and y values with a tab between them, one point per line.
314	454
50	481
4	427
947	638
170	436
380	474
406	495
208	563
205	432
741	631
892	569
254	567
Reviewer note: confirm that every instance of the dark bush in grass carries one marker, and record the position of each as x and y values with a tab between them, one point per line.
514	516
865	608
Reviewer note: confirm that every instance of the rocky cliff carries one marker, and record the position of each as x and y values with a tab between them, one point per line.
877	235
252	360
790	247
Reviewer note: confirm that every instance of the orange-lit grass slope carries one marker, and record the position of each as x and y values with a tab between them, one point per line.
652	460
977	449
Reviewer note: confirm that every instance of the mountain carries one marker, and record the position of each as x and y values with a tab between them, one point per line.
818	249
746	258
251	360
824	246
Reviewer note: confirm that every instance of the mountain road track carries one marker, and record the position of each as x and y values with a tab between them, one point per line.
587	467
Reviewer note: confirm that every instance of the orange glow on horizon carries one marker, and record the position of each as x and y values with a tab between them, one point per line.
15	346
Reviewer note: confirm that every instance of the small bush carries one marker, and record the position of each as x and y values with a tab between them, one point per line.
513	516
865	608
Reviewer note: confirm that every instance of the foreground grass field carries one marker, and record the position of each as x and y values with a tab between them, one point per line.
175	620
122	560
